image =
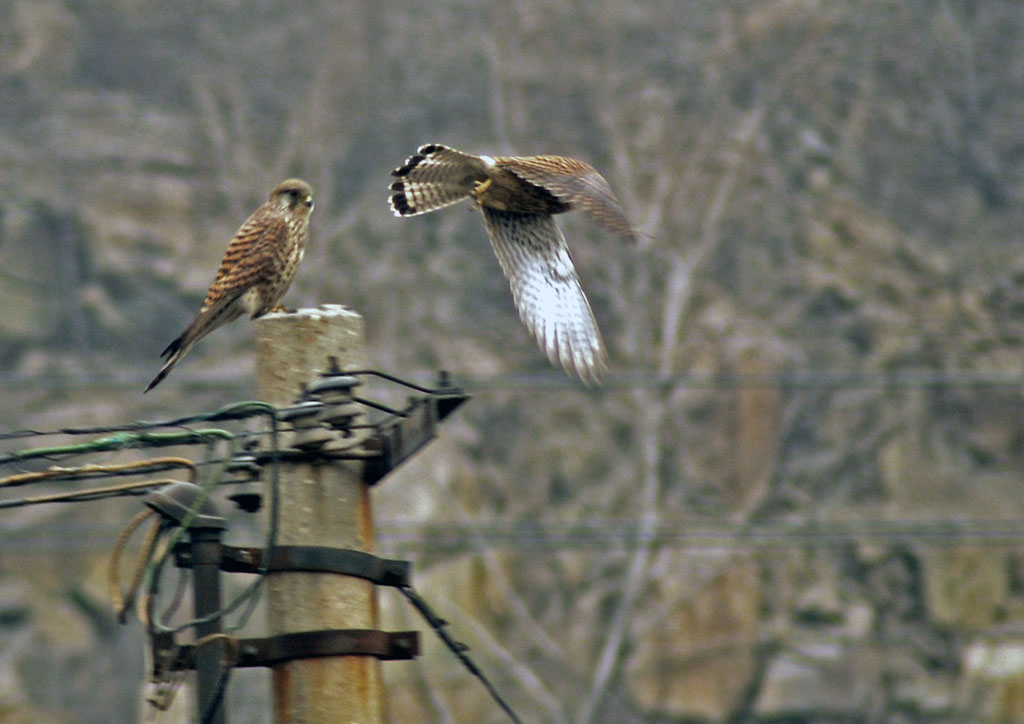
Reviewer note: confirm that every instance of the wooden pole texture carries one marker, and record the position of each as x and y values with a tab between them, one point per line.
324	505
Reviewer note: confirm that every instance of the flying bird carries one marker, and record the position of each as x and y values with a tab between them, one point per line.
519	197
257	268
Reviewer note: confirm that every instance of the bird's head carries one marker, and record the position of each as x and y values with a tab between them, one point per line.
295	194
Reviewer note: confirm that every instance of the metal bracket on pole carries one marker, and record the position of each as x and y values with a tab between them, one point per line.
329	423
317	559
273	650
399	438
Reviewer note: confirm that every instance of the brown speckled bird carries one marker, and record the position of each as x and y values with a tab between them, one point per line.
257	268
518	197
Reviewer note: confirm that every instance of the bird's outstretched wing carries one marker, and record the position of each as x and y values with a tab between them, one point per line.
547	291
576	183
435	177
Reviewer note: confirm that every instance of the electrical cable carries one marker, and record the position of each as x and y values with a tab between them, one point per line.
456	647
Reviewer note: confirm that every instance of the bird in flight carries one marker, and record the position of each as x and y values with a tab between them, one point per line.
519	196
257	268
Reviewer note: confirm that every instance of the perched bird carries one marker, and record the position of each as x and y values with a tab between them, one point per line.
518	197
257	268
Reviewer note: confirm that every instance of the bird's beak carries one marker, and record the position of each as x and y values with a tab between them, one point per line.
308	201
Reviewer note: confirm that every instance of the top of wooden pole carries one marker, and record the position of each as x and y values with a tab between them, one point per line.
293	349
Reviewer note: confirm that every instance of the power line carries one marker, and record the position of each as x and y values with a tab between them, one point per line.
605	534
624	380
601	534
458	648
795	379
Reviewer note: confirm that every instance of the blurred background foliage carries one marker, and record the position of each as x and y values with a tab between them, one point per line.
796	498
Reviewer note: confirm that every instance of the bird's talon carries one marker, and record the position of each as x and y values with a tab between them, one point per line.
481	188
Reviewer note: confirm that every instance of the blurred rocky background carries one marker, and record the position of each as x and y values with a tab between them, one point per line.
798	496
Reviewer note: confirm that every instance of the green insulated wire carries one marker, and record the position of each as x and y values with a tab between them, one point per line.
122	441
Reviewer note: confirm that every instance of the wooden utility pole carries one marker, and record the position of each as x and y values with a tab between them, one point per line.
322	505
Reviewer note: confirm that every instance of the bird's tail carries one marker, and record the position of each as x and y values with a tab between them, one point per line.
174	352
435	177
